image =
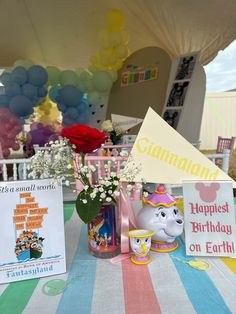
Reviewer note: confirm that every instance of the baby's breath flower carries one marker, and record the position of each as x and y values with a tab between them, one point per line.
129	187
124	153
103	195
107	183
108	199
85	201
116	193
92	168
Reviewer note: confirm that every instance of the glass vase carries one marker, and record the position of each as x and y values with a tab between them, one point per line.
103	240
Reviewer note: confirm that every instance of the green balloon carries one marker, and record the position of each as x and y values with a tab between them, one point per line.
85	83
113	75
68	77
79	71
102	81
24	63
53	75
94	98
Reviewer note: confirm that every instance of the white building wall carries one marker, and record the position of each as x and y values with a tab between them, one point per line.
219	118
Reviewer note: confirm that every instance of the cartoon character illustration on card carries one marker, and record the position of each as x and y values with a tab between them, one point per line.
161	215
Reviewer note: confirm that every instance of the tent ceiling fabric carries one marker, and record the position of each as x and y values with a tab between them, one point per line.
64	33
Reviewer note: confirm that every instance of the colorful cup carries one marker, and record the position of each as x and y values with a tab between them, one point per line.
140	242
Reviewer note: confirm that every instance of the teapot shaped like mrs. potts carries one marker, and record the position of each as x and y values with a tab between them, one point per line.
161	215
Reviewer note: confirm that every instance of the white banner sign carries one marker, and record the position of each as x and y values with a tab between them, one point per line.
124	122
167	157
209	218
31	230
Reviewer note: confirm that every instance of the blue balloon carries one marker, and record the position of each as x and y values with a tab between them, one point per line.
67	121
29	91
69	95
21	106
12	89
36	100
42	91
37	75
83	105
4	101
82	119
54	92
72	112
19	75
5	77
61	107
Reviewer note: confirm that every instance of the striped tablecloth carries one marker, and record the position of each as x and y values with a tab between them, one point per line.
167	285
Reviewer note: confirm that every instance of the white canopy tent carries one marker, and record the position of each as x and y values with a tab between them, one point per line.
64	32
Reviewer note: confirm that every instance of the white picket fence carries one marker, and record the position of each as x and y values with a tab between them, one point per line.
19	166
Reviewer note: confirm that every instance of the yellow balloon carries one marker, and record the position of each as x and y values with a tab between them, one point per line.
105	53
118	65
115	20
122	52
125	37
103	36
115	38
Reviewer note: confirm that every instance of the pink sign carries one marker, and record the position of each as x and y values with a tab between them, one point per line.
210	228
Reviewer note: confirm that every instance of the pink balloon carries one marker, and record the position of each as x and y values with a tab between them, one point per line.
15	146
6	152
11	135
17	129
10	126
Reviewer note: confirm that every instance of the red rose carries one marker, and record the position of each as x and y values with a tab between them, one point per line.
85	139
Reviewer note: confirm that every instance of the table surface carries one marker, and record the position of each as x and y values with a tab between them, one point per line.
167	285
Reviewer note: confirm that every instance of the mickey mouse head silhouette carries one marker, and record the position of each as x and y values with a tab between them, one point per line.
207	193
170	117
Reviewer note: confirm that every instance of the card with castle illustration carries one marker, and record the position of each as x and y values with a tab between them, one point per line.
31	230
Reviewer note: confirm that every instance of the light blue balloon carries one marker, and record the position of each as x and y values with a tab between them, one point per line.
37	75
5	78
21	106
29	91
42	91
12	89
4	101
69	95
19	75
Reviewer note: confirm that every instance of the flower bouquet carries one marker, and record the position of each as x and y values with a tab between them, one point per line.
59	161
113	131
